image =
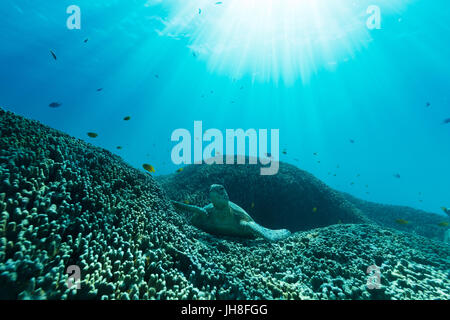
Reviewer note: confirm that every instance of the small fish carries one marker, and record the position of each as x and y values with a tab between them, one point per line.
127	118
446	121
318	161
447	211
428	104
253	205
268	155
366	185
397	176
339	221
186	201
92	134
179	170
119	148
53	54
284	151
314	210
315	153
194	54
86	40
443	224
99	89
156	76
352	141
199	11
148	167
219	2
358	175
242	88
401	221
55	105
352	183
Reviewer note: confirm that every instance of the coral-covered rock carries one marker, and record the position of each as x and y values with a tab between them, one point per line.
65	202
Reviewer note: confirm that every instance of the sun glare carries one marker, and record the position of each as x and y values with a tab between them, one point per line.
272	40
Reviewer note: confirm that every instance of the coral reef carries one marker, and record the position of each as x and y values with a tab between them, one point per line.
65	202
419	222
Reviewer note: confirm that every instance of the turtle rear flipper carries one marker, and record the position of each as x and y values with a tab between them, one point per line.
268	234
187	207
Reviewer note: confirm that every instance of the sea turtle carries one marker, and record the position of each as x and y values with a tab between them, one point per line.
223	217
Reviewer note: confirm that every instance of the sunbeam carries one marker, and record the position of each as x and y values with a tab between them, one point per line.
273	40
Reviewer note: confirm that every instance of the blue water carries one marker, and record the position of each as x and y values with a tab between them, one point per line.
311	69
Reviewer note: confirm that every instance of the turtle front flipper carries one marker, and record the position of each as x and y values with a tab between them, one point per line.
268	234
187	207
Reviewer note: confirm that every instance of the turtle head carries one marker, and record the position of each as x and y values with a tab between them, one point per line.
218	196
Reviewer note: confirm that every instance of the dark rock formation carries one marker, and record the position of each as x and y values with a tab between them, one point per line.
419	222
